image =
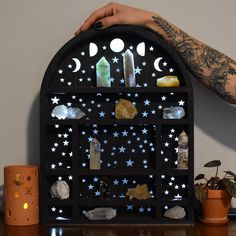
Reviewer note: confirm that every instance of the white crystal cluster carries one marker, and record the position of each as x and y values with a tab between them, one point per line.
60	189
63	112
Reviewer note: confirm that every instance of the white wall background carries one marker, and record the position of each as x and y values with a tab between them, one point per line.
31	32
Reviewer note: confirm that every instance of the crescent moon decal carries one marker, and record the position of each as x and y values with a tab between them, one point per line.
93	49
141	49
157	64
77	64
16	180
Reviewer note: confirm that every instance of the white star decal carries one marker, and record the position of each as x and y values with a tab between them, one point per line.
102	114
55	100
90	187
115	60
137	70
145	114
146	102
151	48
53	209
129	162
163	98
171	70
122	149
60	71
181	103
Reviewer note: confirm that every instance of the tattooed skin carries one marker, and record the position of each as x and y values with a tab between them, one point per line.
210	66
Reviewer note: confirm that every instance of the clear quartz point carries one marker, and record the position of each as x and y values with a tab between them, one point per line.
173	113
63	112
103	213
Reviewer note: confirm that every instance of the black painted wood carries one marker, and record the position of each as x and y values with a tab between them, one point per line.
52	86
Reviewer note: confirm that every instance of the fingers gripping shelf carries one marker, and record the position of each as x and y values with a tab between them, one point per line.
139	151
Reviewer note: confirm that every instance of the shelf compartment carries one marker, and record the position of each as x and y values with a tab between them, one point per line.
117	186
59	213
125	214
174	187
51	179
122	147
58	147
169	145
102	106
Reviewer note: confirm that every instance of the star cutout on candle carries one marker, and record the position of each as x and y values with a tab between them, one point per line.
60	163
129	162
166	144
145	85
55	100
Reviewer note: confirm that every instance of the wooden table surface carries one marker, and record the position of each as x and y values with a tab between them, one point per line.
173	230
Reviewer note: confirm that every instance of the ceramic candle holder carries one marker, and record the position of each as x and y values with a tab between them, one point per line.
21	198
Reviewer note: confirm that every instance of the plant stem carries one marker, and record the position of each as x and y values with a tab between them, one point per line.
216	171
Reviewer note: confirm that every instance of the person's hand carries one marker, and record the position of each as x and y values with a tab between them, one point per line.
116	14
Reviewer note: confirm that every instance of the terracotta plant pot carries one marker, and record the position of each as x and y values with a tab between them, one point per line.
216	207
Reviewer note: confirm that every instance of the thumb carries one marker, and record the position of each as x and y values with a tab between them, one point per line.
107	22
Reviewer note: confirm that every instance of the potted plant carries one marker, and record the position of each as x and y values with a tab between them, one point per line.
215	194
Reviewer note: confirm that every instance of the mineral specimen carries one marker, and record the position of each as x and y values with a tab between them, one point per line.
176	213
173	113
104	188
182	151
129	73
63	112
95	155
168	81
60	189
103	73
125	110
140	192
105	213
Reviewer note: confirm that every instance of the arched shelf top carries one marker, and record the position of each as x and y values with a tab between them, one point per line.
74	65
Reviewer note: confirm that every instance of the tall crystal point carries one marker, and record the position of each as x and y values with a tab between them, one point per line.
103	73
95	155
129	73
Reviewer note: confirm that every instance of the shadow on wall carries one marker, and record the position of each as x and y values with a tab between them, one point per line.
33	133
213	116
1	197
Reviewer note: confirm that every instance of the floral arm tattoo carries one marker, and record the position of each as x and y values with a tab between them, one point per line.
212	68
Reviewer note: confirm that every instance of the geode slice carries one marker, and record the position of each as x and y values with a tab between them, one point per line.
125	110
176	213
173	113
60	189
103	213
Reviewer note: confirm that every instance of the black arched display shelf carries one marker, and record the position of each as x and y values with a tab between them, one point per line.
141	151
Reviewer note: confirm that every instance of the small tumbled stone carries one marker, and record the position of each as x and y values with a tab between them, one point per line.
103	213
173	113
168	81
125	110
176	213
60	189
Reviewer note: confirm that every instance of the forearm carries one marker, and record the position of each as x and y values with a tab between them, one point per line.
213	69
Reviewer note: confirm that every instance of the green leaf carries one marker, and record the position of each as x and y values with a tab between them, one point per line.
201	193
230	186
214	163
228	172
200	176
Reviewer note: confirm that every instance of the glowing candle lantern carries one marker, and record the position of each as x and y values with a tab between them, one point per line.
21	195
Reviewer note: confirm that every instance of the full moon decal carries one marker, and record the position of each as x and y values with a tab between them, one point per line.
117	45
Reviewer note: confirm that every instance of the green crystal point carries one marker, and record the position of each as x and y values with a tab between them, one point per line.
103	73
